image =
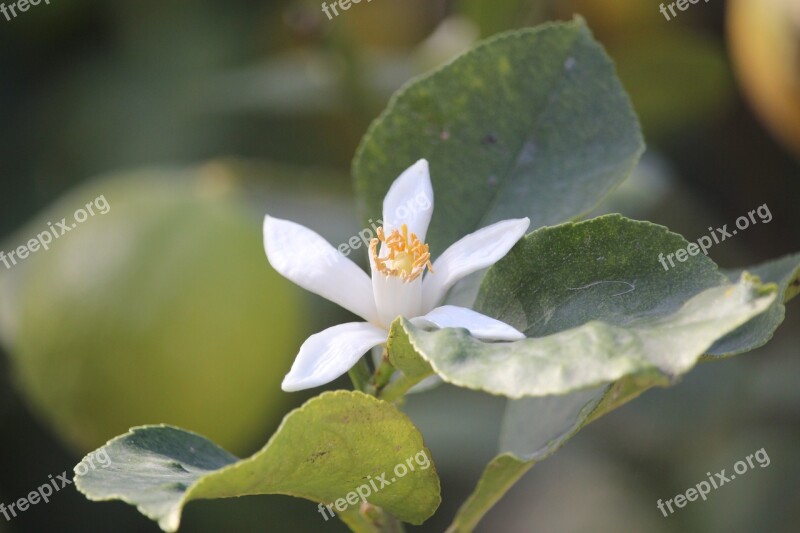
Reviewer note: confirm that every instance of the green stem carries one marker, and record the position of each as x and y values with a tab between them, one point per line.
360	376
371	519
383	374
397	388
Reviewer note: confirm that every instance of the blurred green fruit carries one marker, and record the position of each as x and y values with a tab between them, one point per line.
162	310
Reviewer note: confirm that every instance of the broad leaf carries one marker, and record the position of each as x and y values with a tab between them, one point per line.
597	307
530	123
330	447
785	272
534	428
660	348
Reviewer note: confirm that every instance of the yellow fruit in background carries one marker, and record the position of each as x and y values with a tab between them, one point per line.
610	19
764	37
162	310
386	24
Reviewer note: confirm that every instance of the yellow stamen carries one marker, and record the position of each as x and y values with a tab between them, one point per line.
407	256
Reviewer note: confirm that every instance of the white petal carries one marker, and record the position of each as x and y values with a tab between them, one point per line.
395	298
330	353
410	201
307	259
477	250
479	326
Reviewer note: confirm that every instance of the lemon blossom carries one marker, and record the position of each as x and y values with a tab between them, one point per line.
404	281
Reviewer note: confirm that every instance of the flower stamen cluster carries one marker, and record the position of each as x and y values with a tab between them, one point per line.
404	255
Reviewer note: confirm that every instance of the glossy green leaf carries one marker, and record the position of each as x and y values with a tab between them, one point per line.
334	444
530	123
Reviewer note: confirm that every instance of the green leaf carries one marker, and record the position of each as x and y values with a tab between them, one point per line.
661	348
558	418
785	272
534	428
656	331
526	440
499	476
530	123
331	446
603	269
403	356
597	307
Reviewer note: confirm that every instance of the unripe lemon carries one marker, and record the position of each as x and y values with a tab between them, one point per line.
162	310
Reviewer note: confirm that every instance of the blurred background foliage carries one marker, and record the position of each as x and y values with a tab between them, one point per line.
200	116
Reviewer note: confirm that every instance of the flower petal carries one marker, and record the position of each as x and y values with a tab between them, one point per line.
471	253
479	326
330	353
410	201
307	259
395	297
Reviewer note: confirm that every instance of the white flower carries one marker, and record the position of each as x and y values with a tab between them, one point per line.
397	287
